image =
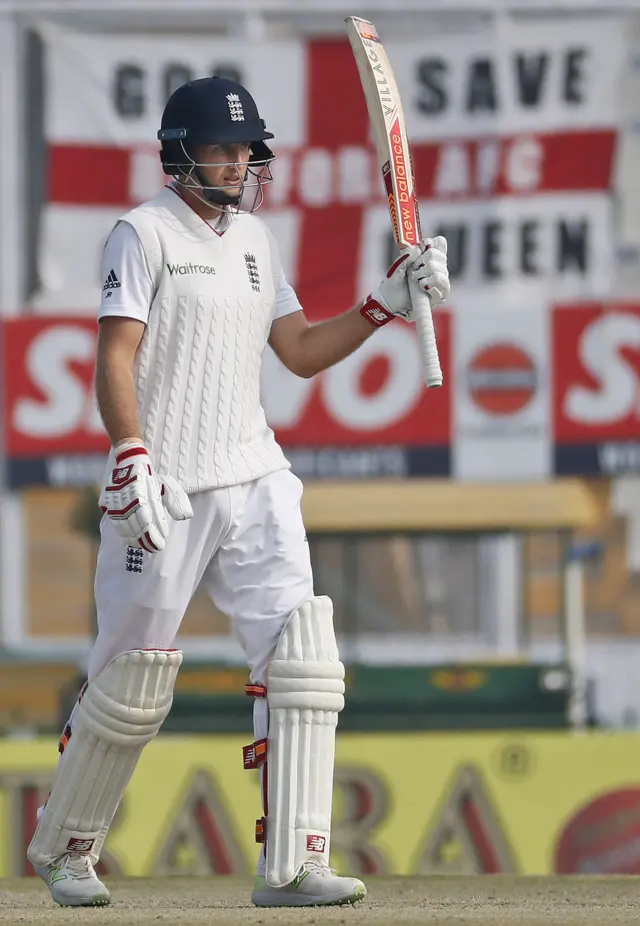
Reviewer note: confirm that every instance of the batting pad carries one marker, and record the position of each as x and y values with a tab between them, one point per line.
121	710
305	692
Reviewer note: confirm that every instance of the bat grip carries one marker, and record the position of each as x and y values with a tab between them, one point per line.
426	334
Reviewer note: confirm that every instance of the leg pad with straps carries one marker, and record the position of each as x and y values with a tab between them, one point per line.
121	710
305	693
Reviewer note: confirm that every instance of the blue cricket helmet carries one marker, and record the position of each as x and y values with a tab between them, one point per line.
210	111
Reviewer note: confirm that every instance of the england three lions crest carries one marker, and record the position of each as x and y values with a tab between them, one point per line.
252	271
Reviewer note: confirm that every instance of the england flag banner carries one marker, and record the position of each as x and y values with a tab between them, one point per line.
513	133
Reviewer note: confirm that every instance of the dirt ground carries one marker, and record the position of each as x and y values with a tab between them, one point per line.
501	901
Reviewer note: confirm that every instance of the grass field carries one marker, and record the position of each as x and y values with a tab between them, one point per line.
501	901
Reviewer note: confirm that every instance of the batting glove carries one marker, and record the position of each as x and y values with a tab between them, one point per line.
427	264
137	501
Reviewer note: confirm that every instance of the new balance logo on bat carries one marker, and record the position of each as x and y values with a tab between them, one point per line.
112	282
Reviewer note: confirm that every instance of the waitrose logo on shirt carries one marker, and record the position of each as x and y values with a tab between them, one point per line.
186	269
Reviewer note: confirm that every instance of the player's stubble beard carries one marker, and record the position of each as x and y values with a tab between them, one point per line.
220	198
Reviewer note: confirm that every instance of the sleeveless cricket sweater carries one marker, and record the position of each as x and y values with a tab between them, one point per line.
197	370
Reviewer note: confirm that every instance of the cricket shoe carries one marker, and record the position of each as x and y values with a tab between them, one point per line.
73	882
315	885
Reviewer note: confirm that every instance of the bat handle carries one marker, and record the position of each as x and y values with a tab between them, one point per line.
426	334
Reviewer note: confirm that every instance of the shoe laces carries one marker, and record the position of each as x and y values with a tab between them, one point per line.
79	863
317	867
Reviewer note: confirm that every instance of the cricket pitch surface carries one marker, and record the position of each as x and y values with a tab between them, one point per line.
503	900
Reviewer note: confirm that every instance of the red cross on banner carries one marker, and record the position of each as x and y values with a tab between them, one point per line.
331	235
330	253
513	182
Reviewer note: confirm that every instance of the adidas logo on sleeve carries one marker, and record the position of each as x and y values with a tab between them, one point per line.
112	282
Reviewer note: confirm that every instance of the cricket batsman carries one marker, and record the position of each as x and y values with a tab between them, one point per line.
198	491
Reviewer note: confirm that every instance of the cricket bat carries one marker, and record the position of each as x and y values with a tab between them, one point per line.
394	156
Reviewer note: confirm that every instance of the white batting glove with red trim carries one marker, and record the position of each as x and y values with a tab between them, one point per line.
137	501
430	269
427	263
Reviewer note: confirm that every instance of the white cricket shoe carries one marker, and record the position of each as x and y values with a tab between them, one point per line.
73	882
315	885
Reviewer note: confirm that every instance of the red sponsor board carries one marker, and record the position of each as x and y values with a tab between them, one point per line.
376	398
596	363
49	402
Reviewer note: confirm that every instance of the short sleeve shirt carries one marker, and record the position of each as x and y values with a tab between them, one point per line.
128	288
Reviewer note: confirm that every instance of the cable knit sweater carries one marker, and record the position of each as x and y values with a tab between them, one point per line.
198	367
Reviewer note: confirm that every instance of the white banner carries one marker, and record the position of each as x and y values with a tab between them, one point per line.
509	253
519	78
513	133
502	370
112	88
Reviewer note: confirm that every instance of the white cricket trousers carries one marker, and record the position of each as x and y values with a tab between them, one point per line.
246	544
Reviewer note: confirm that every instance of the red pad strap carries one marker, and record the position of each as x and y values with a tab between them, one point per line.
375	313
65	736
255	754
256	691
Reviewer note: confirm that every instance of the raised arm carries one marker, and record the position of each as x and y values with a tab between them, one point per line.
307	349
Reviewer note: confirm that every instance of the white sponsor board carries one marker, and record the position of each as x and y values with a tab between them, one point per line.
501	423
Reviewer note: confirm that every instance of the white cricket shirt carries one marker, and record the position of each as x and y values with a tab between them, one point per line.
208	299
128	289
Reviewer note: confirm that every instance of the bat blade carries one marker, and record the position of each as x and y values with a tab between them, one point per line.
394	157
